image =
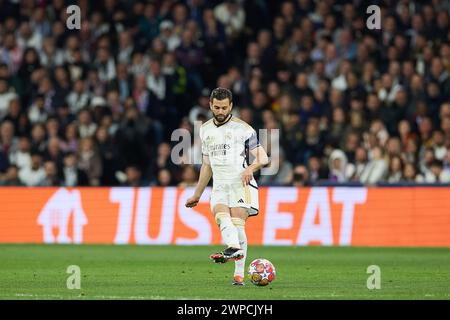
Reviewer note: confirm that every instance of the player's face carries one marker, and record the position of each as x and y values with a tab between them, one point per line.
221	109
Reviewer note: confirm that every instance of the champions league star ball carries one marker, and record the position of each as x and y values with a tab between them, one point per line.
261	272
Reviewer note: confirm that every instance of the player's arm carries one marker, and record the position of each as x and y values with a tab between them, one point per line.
261	160
203	180
205	176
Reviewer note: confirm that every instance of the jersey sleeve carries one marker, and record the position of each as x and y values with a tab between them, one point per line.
203	143
251	139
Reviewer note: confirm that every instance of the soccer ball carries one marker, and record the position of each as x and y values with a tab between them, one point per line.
261	272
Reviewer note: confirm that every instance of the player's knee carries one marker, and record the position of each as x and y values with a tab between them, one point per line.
219	216
238	222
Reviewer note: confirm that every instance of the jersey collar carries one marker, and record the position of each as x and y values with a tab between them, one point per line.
222	123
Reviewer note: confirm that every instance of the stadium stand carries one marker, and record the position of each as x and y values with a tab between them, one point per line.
97	106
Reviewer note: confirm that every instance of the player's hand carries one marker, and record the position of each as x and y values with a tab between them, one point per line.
247	176
192	201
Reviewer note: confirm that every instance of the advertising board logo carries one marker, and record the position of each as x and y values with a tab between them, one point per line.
57	213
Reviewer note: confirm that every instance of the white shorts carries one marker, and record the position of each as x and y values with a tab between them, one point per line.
236	195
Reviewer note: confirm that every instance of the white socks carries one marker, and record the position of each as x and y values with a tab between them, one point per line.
239	265
228	229
233	234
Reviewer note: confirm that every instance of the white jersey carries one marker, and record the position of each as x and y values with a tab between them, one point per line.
228	145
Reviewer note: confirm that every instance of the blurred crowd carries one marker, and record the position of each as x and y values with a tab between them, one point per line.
98	105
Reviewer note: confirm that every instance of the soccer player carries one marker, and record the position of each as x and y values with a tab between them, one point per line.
227	143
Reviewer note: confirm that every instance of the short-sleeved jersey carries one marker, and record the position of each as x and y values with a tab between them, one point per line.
228	145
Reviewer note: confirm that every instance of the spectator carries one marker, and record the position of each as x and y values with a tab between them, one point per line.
104	63
69	142
134	177
190	56
284	173
34	174
163	159
37	113
62	86
50	55
357	168
27	37
177	78
426	161
11	177
14	115
46	88
70	174
10	52
122	83
78	98
331	60
157	84
126	47
133	141
188	177
139	63
338	124
89	161
6	95
168	36
215	41
94	84
437	173
52	128
300	177
164	178
388	89
53	152
8	142
316	171
393	147
201	108
113	101
438	143
180	16
38	142
351	143
86	125
405	134
446	161
253	60
410	174
232	16
51	178
21	157
395	170
338	166
141	95
148	20
376	169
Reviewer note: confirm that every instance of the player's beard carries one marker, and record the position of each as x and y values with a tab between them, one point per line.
222	117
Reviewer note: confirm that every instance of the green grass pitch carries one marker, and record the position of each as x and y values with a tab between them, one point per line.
185	272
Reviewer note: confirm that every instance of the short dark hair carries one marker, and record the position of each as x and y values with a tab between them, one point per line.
221	94
70	154
35	152
437	163
13	166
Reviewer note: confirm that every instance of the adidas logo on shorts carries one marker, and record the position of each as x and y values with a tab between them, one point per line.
241	201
